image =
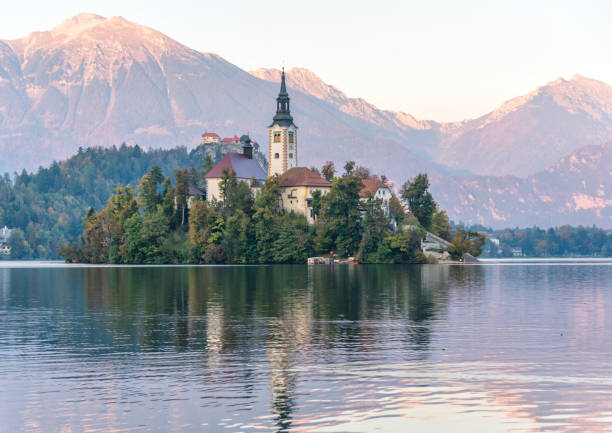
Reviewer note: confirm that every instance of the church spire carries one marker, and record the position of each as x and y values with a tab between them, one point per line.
283	114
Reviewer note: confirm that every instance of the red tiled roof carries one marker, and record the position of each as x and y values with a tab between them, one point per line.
302	176
370	185
230	139
245	168
210	134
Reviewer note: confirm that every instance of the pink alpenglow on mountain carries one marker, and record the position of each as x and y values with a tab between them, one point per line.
104	81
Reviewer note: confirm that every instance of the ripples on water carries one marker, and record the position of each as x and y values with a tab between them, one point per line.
493	348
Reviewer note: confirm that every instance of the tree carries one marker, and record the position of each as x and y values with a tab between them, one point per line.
290	244
466	241
420	201
402	247
315	205
440	224
205	233
362	172
235	194
396	210
328	170
340	212
349	167
235	242
121	206
181	195
374	229
149	195
20	247
266	219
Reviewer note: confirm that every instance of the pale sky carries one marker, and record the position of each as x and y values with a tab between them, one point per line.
440	60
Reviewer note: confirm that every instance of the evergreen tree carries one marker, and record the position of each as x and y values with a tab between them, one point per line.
149	189
420	201
374	225
290	244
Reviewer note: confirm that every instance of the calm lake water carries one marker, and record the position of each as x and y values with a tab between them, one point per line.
499	347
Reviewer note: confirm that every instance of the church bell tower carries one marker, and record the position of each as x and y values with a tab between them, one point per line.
282	135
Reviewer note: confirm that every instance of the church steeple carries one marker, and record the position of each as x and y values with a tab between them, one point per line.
283	148
283	114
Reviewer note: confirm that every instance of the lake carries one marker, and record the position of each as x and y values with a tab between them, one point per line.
499	347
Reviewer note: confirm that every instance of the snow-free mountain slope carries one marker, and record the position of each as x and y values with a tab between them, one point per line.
576	190
102	81
529	133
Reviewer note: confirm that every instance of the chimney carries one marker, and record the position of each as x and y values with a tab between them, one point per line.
247	147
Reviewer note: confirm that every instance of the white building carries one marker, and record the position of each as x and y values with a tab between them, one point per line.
242	164
282	150
378	190
5	234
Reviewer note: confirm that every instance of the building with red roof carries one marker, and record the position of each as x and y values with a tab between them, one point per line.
377	189
231	140
297	186
210	137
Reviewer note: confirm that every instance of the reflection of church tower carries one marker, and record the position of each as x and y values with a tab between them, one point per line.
282	135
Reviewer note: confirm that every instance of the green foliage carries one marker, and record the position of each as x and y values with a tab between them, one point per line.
49	206
149	195
466	241
399	248
235	195
341	216
564	241
290	245
440	225
420	201
374	226
20	247
158	226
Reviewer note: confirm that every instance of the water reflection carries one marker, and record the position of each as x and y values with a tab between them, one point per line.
296	348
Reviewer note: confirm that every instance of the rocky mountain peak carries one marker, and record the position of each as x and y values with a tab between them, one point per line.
77	24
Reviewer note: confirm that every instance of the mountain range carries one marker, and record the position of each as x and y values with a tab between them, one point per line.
539	158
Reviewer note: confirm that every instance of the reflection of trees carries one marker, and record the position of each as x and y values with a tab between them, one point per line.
235	315
5	283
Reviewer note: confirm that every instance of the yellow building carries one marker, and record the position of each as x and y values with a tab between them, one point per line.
297	185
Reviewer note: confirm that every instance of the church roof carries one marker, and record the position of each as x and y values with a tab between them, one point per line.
194	191
371	185
244	167
283	115
302	176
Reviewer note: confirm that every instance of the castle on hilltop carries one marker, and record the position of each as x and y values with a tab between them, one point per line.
297	183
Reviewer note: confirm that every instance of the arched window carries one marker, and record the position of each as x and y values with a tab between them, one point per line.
291	155
276	156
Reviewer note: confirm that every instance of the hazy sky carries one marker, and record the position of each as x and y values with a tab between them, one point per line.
442	60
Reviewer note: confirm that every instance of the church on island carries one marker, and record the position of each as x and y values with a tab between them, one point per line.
297	183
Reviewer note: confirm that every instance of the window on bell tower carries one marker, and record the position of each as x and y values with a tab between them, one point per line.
277	137
290	136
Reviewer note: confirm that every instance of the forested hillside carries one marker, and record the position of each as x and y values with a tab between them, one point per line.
48	206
